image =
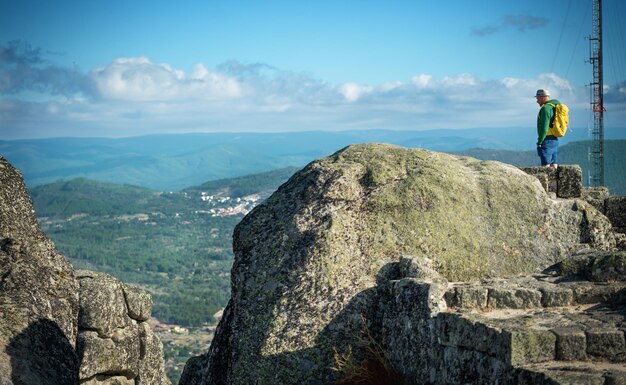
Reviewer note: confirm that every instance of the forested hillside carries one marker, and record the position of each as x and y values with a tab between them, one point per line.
178	245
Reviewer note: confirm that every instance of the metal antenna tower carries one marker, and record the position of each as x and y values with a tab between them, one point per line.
596	175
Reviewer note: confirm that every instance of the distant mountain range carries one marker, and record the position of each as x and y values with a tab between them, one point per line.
175	162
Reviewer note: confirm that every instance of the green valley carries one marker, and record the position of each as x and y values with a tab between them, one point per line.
176	245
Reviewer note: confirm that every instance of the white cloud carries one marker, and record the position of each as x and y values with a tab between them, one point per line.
138	79
422	80
353	91
133	96
459	80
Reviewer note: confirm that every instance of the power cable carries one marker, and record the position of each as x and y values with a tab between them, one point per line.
578	39
615	55
558	45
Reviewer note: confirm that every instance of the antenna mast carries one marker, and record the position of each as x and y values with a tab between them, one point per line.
596	176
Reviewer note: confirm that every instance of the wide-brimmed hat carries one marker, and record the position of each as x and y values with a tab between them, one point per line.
542	93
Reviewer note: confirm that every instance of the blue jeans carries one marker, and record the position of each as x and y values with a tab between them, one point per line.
548	151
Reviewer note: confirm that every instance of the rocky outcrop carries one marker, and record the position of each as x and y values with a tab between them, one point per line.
115	342
58	326
38	295
323	253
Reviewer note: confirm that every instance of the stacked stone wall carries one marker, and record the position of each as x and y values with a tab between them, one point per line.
563	182
555	328
566	182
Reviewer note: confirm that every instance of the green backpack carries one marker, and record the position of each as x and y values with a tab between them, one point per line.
560	120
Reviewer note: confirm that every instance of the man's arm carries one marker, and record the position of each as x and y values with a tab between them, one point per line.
543	123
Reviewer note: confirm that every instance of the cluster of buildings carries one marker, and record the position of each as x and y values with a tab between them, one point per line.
232	206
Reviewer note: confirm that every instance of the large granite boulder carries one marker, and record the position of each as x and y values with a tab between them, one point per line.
317	258
38	295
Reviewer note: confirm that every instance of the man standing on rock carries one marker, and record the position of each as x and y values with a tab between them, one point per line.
547	144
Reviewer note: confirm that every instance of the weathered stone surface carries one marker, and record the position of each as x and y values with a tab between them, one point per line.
119	354
596	196
530	346
571	344
151	365
607	343
547	176
468	297
312	259
499	298
595	293
113	340
102	303
38	295
413	305
464	366
569	181
609	267
565	182
194	368
596	266
578	264
138	301
556	296
616	210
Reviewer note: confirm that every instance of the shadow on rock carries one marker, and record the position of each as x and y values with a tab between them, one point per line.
348	350
42	354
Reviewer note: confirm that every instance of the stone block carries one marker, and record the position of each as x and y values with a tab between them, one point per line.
596	196
570	181
609	267
139	302
595	293
619	298
408	325
528	346
569	376
579	265
119	354
464	366
606	343
554	296
468	297
459	331
571	344
616	211
547	176
426	297
102	303
500	298
151	365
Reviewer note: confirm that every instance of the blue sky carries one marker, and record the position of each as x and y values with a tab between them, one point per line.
126	68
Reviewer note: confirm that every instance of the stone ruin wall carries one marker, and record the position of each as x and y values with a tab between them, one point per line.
546	329
566	182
